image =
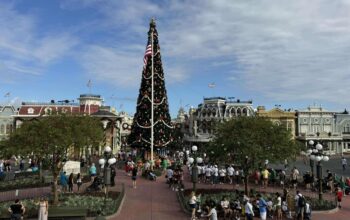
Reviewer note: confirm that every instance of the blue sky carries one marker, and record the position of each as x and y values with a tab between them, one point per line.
291	53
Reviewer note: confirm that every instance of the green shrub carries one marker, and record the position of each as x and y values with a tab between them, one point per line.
21	184
92	203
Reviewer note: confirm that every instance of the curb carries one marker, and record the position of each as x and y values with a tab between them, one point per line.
119	208
181	204
331	211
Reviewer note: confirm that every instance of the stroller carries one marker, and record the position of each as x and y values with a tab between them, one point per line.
97	185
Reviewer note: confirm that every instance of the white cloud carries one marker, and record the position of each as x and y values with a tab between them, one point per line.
112	65
282	49
24	50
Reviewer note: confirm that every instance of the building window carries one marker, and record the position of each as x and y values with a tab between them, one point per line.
30	111
347	128
2	129
8	129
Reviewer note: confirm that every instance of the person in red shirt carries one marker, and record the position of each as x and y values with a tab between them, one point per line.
347	181
339	196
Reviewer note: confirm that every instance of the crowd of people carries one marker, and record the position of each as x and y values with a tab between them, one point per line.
244	207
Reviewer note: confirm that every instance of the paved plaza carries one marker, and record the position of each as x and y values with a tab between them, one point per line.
153	200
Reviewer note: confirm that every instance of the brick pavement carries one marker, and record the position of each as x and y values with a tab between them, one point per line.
155	201
151	200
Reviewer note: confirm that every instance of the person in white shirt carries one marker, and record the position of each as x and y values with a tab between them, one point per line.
278	206
222	173
208	174
249	213
225	205
212	214
193	205
230	173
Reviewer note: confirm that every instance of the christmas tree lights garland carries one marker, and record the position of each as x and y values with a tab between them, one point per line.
162	126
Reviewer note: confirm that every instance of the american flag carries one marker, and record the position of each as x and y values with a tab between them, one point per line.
148	53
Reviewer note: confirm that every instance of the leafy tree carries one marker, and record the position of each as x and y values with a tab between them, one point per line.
52	137
249	141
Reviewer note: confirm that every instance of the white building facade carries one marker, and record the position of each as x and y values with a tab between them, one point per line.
202	120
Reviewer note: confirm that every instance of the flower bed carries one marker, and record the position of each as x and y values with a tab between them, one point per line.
93	202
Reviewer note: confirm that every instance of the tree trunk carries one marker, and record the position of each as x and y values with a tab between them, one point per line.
41	171
54	188
246	185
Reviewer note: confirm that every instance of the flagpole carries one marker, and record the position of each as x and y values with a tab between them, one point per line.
152	101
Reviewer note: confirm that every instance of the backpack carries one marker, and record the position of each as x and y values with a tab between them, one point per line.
301	201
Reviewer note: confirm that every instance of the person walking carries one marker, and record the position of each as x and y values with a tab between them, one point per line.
262	207
134	176
344	162
300	205
92	171
265	175
43	209
339	196
248	207
193	205
79	181
70	182
308	211
278	206
63	181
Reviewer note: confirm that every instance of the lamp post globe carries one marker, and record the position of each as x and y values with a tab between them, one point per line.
112	161
319	146
194	148
312	157
199	160
191	160
107	149
311	142
102	161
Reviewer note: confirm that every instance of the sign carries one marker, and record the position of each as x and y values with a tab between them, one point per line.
71	167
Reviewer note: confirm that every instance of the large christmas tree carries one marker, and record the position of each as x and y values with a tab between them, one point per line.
140	136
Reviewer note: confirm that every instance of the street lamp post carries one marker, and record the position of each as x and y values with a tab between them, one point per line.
311	144
106	163
194	160
316	153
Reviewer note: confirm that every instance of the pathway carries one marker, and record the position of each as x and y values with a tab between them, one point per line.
151	200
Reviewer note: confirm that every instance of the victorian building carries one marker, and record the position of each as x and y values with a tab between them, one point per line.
319	125
7	113
342	122
278	116
203	119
